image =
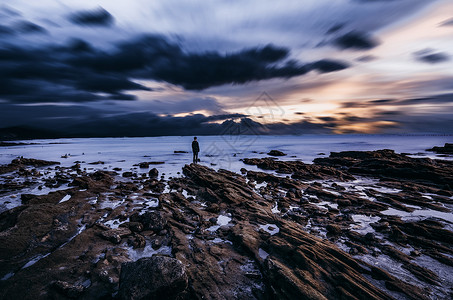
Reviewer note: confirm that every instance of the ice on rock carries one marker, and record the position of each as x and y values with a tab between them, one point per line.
419	214
270	228
65	198
147	251
222	220
263	254
364	222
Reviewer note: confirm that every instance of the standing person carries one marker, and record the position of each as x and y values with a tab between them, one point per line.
195	149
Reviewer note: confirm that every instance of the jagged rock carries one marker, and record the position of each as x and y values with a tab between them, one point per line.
157	277
299	170
133	226
446	149
274	244
151	220
388	164
115	235
394	284
98	181
69	290
21	162
297	263
52	197
137	241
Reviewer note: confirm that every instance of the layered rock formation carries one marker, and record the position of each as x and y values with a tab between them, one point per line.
355	225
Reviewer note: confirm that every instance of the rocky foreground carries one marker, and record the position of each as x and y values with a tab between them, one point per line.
355	225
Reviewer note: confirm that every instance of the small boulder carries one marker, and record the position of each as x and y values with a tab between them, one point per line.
157	277
153	173
276	153
128	174
143	165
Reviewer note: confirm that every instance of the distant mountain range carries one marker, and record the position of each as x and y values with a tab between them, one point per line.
138	128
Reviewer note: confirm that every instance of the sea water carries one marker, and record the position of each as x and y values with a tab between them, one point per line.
224	151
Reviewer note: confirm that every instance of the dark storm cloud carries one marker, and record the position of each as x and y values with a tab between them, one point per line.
97	17
44	75
27	27
356	40
77	70
153	57
107	84
4	31
327	66
431	56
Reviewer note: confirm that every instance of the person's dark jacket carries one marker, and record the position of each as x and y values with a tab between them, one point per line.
195	147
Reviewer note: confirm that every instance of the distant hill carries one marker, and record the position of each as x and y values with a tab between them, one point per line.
25	133
142	126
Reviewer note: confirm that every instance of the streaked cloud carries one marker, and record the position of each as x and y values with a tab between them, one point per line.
96	17
356	41
431	56
331	66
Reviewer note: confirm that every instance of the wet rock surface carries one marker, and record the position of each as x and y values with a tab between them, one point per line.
23	163
354	225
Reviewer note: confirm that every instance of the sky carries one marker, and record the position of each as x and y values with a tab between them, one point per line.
146	68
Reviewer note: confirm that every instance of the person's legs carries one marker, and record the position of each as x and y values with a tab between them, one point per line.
194	156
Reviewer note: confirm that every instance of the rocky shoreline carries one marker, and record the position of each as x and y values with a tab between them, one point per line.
354	225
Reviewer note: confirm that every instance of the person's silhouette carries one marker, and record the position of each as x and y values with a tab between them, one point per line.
195	149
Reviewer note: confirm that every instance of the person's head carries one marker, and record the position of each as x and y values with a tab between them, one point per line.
194	138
